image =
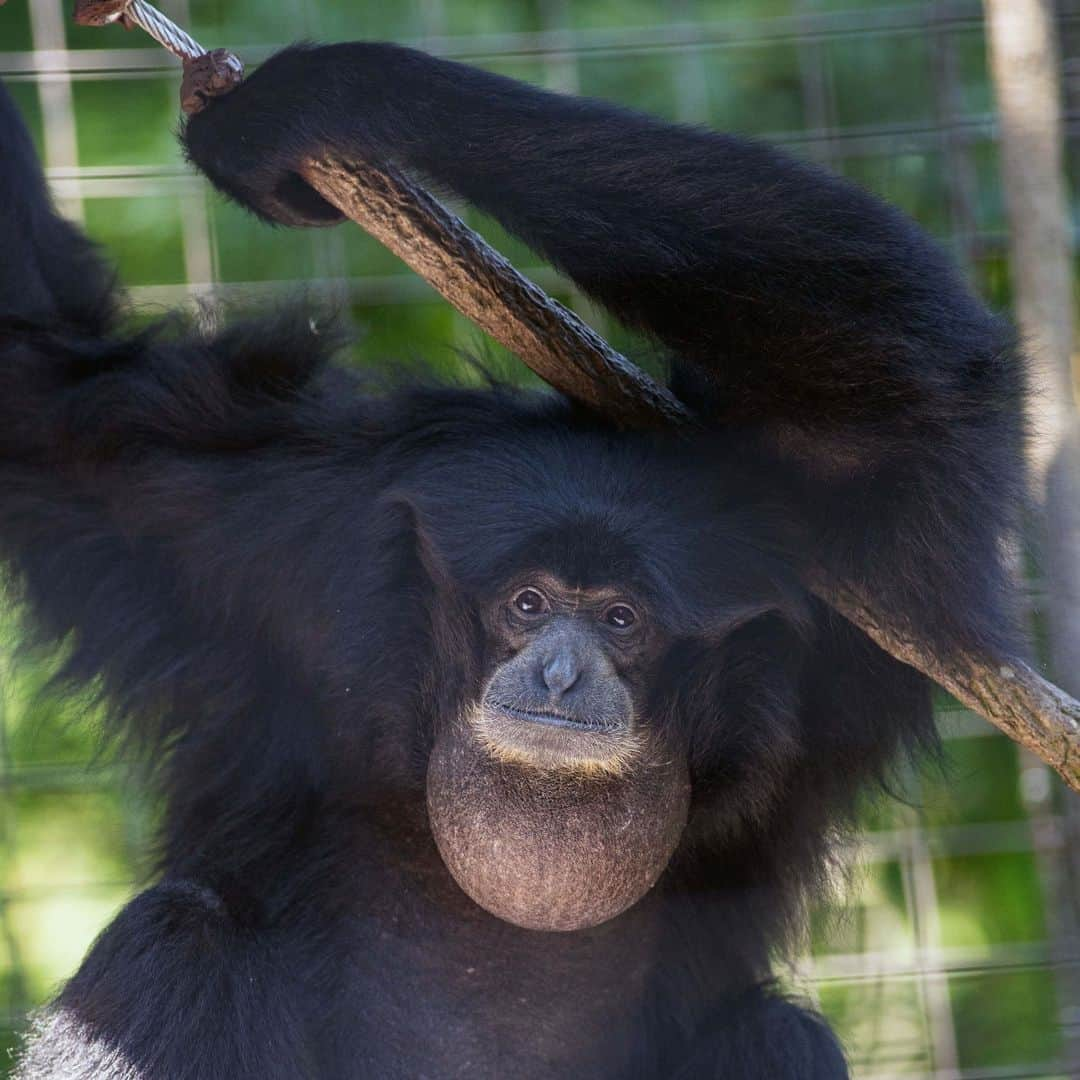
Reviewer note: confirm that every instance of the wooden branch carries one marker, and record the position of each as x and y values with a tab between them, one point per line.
1006	691
560	348
565	352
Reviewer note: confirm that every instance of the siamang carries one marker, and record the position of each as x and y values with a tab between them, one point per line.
494	740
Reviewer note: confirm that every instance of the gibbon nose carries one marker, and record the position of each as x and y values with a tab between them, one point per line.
561	672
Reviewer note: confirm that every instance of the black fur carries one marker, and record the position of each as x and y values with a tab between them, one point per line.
274	578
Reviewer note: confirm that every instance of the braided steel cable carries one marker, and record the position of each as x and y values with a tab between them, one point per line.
165	32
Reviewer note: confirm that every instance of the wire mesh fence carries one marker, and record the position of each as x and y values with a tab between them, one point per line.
957	952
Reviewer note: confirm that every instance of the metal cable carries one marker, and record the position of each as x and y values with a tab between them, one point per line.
163	30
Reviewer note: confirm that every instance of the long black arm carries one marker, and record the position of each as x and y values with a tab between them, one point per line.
736	255
49	272
184	512
135	474
808	313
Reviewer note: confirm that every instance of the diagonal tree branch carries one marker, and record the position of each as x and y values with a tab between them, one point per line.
1005	690
564	351
568	355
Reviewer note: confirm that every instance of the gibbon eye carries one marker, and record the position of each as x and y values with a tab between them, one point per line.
530	602
620	616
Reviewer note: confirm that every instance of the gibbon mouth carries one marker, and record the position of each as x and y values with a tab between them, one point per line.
553	719
555	740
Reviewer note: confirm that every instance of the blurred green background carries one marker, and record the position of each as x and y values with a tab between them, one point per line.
956	954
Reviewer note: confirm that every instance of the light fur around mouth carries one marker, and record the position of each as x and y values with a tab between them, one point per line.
569	747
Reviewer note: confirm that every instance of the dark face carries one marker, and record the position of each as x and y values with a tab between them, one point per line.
554	801
569	681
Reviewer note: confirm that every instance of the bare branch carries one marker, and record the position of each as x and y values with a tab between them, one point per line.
1006	691
565	352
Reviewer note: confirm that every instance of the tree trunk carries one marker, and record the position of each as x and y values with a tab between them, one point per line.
1026	66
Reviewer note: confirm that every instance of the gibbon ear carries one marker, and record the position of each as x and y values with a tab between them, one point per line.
455	665
403	510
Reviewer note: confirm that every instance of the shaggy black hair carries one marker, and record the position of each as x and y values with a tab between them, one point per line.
274	580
